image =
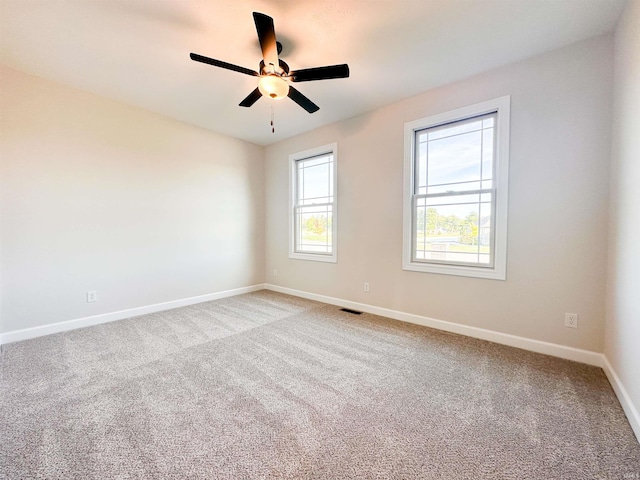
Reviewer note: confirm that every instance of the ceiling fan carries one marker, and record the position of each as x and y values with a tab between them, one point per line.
274	74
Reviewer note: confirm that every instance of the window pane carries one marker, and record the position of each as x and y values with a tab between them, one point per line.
314	227
484	225
488	122
460	232
421	168
330	180
454	159
454	129
442	253
454	187
312	162
454	199
314	180
487	154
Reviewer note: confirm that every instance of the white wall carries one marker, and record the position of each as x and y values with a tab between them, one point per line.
97	195
622	347
558	210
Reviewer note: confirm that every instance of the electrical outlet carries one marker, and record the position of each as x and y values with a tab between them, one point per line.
571	320
275	272
92	296
366	286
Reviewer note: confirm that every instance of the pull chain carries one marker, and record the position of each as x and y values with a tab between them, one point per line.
273	126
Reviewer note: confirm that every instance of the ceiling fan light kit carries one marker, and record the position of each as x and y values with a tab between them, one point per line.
274	75
273	86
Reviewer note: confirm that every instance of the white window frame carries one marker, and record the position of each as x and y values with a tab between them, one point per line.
332	149
502	107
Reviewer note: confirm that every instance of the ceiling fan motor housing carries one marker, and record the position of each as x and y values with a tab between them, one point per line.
283	70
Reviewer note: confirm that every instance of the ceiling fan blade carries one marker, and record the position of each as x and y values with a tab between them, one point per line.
252	98
219	63
267	38
303	101
320	73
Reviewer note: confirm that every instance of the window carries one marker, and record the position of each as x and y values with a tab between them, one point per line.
455	191
313	219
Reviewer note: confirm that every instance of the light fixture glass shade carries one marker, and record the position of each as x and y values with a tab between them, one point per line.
273	86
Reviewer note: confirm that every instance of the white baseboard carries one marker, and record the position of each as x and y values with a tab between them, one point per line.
562	351
623	396
33	332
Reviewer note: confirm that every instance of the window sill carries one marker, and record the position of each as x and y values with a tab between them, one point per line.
458	270
314	257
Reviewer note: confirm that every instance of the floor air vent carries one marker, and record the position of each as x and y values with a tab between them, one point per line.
348	310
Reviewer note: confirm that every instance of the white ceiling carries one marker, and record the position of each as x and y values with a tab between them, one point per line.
137	51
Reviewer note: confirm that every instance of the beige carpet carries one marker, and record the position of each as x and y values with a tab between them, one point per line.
270	386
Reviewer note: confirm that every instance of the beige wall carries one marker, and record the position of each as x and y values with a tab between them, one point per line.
558	210
622	346
97	195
